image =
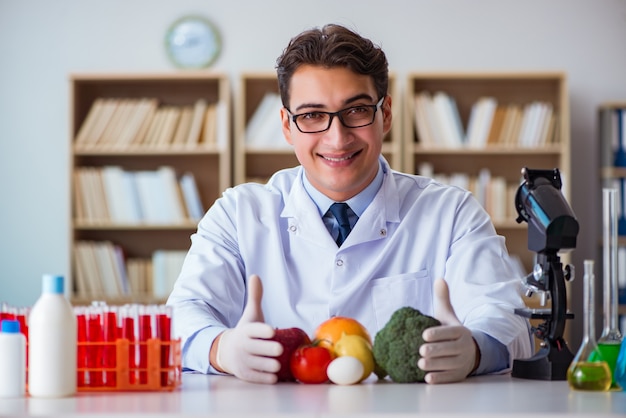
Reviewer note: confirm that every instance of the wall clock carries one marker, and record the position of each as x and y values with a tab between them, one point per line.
193	42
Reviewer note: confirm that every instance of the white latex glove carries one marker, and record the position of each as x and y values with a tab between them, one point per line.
244	351
449	353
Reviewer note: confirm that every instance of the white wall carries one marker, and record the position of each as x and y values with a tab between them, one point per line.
42	41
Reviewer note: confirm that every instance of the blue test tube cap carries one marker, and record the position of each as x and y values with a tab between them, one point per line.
10	326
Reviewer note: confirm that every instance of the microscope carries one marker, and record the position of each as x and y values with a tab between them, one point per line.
552	227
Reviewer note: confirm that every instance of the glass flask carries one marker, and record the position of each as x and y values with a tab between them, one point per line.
610	340
588	370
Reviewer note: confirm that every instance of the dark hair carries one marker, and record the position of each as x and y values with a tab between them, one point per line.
332	46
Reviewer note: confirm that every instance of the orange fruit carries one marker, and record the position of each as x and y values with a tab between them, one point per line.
331	330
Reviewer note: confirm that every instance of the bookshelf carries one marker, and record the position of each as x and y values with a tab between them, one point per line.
612	139
503	159
204	156
264	150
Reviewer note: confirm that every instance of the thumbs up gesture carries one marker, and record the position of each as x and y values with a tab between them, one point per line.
449	353
244	351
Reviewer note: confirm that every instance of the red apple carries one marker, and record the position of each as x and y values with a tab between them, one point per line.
291	339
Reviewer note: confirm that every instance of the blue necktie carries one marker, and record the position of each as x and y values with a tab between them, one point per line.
340	212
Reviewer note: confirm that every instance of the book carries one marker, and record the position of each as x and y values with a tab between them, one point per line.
170	197
422	123
150	197
107	110
516	123
199	112
141	111
264	130
184	124
119	263
140	135
80	211
91	120
139	274
496	126
434	126
106	269
151	138
191	196
166	267
115	124
171	115
114	190
481	117
545	126
529	120
448	120
209	128
221	125
97	196
132	204
497	199
81	272
95	276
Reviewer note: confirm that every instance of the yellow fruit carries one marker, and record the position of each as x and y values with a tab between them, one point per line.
359	347
331	330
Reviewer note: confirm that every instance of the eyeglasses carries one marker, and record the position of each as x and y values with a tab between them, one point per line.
351	117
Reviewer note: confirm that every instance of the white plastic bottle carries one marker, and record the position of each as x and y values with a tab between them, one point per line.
12	360
52	342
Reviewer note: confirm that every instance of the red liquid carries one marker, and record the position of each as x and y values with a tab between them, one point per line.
165	331
81	354
145	333
94	351
109	351
128	332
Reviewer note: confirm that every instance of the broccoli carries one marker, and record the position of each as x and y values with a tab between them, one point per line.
396	345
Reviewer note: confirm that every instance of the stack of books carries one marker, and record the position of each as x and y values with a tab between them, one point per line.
125	124
103	271
492	192
110	194
438	123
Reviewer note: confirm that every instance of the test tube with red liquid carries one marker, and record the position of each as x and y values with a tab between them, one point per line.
94	347
164	329
128	319
145	334
109	338
81	351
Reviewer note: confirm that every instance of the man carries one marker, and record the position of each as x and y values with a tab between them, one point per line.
403	240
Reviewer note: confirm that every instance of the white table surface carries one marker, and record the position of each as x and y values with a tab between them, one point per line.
225	396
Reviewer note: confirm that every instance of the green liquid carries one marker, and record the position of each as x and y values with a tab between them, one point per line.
587	375
609	353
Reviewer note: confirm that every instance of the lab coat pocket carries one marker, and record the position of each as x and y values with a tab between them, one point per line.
394	292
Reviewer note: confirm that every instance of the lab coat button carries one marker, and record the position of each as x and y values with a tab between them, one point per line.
339	262
293	228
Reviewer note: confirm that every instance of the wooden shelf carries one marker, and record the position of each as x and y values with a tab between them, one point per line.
148	152
609	173
109	226
209	163
519	88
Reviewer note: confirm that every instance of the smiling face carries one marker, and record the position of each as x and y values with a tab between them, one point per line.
339	162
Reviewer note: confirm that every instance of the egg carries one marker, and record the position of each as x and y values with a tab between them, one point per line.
345	370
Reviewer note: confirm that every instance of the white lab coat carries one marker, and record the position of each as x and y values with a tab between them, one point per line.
414	231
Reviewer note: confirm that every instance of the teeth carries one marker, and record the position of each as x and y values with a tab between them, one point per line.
338	159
